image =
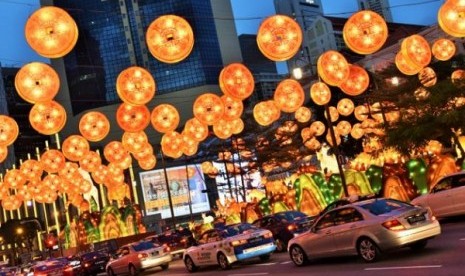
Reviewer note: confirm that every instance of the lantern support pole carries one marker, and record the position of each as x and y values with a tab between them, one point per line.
68	221
173	219
102	189
189	200
55	214
133	185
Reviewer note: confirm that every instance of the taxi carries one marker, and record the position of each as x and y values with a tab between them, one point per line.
228	245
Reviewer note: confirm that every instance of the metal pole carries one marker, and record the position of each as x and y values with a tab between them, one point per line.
189	200
134	190
173	219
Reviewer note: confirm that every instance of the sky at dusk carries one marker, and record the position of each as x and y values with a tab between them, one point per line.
14	50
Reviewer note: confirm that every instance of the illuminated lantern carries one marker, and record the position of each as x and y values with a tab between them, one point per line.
84	206
289	95
51	32
376	112
208	108
427	77
232	107
24	193
52	161
458	78
165	117
237	125
100	174
451	19
125	163
134	141
84	186
75	147
206	166
329	138
361	112
11	202
196	129
53	182
115	174
313	144
365	32
333	68
416	50
171	144
14	179
357	82
48	196
421	94
279	37
91	161
266	112
9	130
333	114
189	146
70	172
237	81
344	128
170	38
320	93
148	163
132	118
317	128
306	134
114	152
3	153
345	107
47	117
443	49
37	82
31	169
94	126
303	114
135	86
357	132
404	66
222	129
146	151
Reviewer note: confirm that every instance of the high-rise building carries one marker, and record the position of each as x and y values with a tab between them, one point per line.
379	6
253	57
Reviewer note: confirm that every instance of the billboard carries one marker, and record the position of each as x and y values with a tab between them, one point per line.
184	191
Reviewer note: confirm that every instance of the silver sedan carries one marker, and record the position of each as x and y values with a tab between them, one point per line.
366	228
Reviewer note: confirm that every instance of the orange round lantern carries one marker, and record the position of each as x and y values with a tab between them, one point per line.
90	161
458	78
9	130
52	161
100	174
14	179
132	118
47	117
125	163
196	129
84	206
232	107
289	95
165	117
135	86
24	193
451	18
443	49
303	114
3	153
170	38
94	126
75	147
318	128
279	37
333	68
237	81
427	77
206	166
115	152
361	112
189	146
306	134
416	50
237	125
345	107
343	128
48	196
333	114
146	151
357	131
404	66
266	113
208	108
222	129
11	202
70	172
365	32
320	93
330	140
51	32
134	141
357	82
171	144
148	163
85	186
31	169
37	82
53	182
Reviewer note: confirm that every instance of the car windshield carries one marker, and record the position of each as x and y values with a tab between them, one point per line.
236	229
383	206
290	216
92	255
143	246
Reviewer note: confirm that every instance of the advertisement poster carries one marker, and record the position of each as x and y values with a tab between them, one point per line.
184	191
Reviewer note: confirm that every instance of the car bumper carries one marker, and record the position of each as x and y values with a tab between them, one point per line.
153	262
396	239
256	251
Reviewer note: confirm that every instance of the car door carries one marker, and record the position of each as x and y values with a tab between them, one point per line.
348	221
120	264
440	198
320	241
205	253
212	246
458	188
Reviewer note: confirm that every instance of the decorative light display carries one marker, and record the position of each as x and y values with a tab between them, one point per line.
289	95
233	107
266	112
443	49
451	18
427	77
222	129
357	82
303	114
333	68
333	114
90	162
115	152
237	125
320	93
9	130
164	118
75	147
52	160
189	145
134	141
343	128
148	163
345	106
37	82
14	179
196	129
404	66
416	51
132	118
458	78
318	128
3	153
146	151
31	169
361	112
237	81
208	108
94	126
171	144
135	85
357	132
47	117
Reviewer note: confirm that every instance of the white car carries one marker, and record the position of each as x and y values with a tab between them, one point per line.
446	198
226	246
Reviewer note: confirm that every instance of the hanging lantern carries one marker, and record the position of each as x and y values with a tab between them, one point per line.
170	38
146	151
70	172
329	138
458	78
125	163
14	179
306	134
451	19
196	129
343	128
132	118
376	112
134	141
416	51
333	68
115	174
75	147
115	152
47	117
48	196
208	108
404	66
303	114
345	106
31	169
165	117
318	128
148	163
365	32
266	112
189	146
84	186
222	129
357	82
3	153
427	77
320	93
443	49
24	193
357	131
237	81
135	86
237	125
313	144
52	160
94	126
51	32
421	94
289	95
232	107
333	114
37	82
361	112
279	37
9	130
171	144
100	174
91	161
11	202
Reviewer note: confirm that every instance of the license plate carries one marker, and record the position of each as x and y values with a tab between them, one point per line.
257	239
256	248
415	219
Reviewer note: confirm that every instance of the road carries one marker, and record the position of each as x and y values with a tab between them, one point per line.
442	256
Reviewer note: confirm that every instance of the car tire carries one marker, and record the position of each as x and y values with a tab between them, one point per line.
419	245
132	270
110	272
368	250
280	246
165	266
223	261
298	255
189	263
265	257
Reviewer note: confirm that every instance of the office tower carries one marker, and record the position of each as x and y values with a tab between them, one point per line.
379	6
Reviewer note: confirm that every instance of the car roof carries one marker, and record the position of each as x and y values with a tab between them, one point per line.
451	175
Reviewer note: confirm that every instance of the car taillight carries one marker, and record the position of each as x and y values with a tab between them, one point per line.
268	235
68	269
166	249
183	240
142	256
238	242
292	227
86	264
394	225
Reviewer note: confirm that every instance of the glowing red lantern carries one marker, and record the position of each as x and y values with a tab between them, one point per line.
132	118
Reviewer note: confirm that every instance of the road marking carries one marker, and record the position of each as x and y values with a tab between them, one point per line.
462	239
248	274
288	262
404	267
264	264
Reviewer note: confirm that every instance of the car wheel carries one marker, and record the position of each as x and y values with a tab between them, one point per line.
298	255
165	266
190	266
223	261
265	257
132	270
419	245
110	272
280	246
368	250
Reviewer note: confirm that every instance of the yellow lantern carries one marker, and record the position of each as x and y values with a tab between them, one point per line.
443	49
31	169
266	112
345	106
135	86
357	82
365	32
357	131
427	77
164	118
94	126
320	93
237	81
222	129
171	144
289	95
14	179
146	151
134	141
279	37
91	161
52	160
451	19
37	82
3	153
343	128
317	128
208	108
51	32
170	38
115	152
196	129
232	107
361	112
132	118
303	114
404	66
333	68
9	130
148	163
75	147
47	117
416	50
